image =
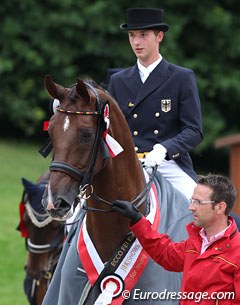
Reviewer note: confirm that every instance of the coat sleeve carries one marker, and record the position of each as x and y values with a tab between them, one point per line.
165	252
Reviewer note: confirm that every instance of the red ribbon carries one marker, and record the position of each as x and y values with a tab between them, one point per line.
45	125
22	226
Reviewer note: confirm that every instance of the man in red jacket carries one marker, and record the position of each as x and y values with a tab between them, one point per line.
210	257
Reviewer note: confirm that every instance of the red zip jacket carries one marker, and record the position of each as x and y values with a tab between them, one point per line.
211	278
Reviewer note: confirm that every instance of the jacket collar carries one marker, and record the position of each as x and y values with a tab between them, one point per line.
154	81
194	235
193	229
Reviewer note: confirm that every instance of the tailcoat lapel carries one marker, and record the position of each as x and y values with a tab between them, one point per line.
156	78
133	80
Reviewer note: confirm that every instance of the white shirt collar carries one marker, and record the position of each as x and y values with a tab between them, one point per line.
145	71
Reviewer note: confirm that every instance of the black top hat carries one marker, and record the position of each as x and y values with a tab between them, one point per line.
144	18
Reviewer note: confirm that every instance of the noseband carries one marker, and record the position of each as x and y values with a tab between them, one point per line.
54	249
56	243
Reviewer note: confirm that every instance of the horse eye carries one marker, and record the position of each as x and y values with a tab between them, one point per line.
86	135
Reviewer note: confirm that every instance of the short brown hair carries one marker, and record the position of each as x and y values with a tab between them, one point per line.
222	188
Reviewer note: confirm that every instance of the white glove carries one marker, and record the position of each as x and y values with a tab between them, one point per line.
156	156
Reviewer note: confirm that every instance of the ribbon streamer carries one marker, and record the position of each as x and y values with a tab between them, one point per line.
113	146
105	298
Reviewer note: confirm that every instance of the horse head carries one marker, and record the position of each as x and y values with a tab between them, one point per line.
75	130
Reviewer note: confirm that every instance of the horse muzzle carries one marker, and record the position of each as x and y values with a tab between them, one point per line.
60	209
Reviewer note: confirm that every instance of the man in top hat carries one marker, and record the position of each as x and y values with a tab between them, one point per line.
160	101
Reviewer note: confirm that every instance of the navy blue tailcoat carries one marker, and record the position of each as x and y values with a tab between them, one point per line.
165	109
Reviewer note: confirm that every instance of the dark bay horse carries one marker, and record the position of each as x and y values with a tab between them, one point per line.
44	239
94	163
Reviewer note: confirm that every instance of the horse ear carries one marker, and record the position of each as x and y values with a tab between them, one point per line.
53	89
82	90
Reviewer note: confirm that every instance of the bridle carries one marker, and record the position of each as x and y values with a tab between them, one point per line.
41	220
137	201
85	177
55	244
54	247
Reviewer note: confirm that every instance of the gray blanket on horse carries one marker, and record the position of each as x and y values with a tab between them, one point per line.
70	285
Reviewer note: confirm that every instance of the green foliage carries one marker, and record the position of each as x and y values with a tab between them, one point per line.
77	38
18	159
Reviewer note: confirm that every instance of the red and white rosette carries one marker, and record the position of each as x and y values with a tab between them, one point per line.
113	146
111	287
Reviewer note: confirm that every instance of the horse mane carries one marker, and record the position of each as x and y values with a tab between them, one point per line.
92	82
110	99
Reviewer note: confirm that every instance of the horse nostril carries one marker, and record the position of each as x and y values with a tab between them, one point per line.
60	203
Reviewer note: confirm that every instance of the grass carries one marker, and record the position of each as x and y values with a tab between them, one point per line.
17	159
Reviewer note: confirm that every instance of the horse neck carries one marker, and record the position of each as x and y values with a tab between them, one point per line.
119	180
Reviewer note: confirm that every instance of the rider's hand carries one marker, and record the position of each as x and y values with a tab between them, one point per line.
127	209
156	156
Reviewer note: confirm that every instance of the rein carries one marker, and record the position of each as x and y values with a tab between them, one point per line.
141	198
82	198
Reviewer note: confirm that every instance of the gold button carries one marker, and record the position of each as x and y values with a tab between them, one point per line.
136	148
157	114
135	132
135	115
156	131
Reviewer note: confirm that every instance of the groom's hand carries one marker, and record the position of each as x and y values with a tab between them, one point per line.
127	209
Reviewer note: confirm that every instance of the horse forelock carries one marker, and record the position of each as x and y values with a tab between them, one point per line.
80	96
101	92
